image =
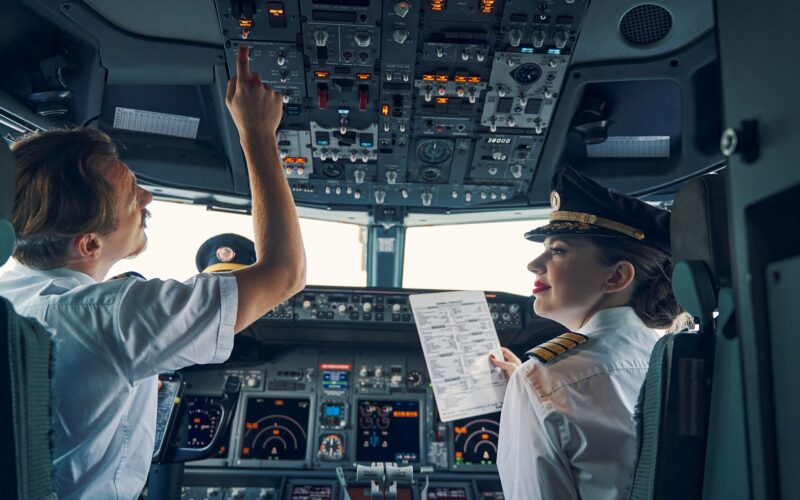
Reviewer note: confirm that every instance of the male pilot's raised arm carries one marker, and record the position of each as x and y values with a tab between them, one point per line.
280	268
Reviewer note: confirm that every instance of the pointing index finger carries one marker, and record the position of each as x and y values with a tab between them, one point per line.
243	62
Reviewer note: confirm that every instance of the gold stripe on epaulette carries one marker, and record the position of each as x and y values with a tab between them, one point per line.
556	348
575	337
541	354
564	342
594	220
223	266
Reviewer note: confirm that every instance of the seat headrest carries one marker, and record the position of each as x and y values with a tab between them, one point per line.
699	225
8	175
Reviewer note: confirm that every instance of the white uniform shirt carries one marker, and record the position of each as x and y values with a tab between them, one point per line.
111	340
567	429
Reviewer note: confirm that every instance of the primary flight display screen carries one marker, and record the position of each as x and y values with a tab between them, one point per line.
475	440
275	429
202	420
388	431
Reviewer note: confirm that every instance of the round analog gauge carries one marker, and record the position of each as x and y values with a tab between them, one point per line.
526	74
203	418
331	448
414	378
434	151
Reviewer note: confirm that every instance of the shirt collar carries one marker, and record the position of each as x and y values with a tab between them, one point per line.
612	317
53	274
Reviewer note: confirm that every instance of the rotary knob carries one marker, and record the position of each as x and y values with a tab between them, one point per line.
400	35
367	306
362	39
342	309
396	308
362	372
561	37
514	37
497	154
516	171
321	38
538	36
513	308
401	9
306	304
359	175
378	372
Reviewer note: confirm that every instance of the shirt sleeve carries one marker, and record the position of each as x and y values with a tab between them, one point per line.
531	462
167	325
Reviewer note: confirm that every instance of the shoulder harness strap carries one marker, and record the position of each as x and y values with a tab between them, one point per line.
555	347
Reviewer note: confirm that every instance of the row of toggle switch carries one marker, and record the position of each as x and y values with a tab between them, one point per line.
426	196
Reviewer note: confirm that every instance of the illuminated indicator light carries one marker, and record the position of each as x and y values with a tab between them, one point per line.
554	52
427	78
487	6
245	451
197	420
438	5
385	109
441	100
321	74
405	414
276	12
484	436
459	454
474	79
246	23
251	425
441	78
363	76
460	430
526	50
295	160
277	432
460	79
278	402
222	449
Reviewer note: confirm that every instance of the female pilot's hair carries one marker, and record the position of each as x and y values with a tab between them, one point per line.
60	193
652	300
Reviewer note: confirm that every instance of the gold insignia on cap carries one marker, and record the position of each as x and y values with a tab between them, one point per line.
553	348
555	200
225	254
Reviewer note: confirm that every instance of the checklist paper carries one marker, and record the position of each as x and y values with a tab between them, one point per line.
457	335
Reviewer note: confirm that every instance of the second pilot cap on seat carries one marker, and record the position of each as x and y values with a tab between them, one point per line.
225	252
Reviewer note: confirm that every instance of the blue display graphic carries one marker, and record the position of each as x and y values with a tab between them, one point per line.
275	429
388	431
335	381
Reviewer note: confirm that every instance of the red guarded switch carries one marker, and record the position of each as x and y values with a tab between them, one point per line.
322	95
363	97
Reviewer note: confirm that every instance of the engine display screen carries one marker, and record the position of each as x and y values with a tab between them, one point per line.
202	420
475	440
362	493
439	493
311	492
275	429
388	431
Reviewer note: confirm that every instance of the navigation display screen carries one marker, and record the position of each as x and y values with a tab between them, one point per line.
388	431
475	440
275	429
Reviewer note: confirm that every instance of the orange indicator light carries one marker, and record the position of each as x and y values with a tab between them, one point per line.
276	12
441	78
460	79
363	76
246	23
276	432
321	74
385	109
474	79
294	160
484	436
441	100
278	402
427	77
197	420
438	5
487	6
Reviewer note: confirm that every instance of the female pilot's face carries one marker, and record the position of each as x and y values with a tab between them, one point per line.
570	280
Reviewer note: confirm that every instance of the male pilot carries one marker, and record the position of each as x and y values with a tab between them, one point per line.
78	210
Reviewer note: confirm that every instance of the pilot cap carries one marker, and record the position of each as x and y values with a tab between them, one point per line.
225	252
582	206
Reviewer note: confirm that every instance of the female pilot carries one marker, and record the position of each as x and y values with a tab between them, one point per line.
567	429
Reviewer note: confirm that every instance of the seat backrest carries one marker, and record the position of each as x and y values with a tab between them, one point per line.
672	415
25	360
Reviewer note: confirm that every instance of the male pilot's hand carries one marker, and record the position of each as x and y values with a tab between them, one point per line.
256	108
508	364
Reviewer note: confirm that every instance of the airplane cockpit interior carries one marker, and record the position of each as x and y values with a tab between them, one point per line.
404	114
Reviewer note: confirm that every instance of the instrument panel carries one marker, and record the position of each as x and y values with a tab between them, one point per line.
421	103
315	409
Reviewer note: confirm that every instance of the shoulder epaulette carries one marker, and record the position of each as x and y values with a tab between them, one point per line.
555	347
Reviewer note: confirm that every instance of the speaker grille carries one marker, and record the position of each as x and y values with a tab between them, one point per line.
646	24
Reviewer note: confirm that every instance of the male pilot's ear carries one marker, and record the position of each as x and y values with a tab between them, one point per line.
621	277
88	246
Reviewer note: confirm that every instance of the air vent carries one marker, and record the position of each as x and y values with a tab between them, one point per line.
645	24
